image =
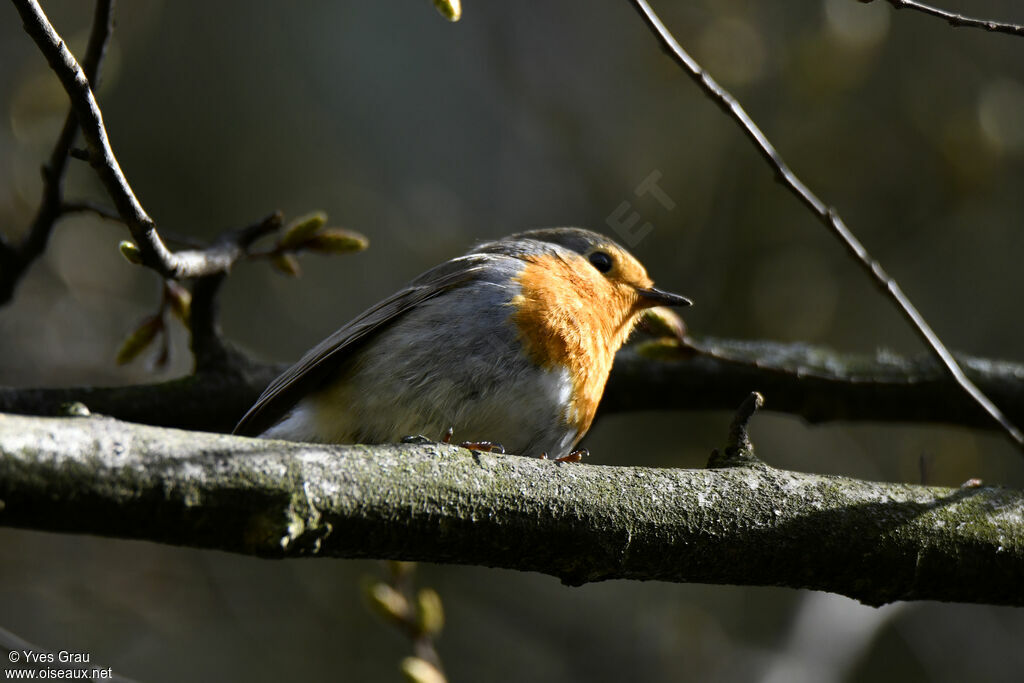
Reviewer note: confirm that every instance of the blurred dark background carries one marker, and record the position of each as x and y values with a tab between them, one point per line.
428	137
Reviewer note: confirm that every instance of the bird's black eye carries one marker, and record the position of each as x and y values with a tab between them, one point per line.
601	260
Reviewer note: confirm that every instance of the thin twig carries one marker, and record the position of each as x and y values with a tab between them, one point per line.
957	20
183	264
16	260
828	215
86	206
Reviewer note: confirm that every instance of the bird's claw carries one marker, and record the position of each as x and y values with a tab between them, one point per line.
575	456
484	446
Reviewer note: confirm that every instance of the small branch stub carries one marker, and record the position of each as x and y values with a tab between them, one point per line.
740	451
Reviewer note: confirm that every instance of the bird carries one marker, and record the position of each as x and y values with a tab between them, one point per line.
511	344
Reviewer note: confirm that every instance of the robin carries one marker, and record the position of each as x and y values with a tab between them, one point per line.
512	343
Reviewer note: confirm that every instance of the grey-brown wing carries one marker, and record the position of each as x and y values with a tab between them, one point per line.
320	362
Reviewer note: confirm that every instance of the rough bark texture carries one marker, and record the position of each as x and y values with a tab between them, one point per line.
742	524
817	383
208	401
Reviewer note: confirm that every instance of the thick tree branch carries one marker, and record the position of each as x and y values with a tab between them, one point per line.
816	383
207	401
826	214
713	374
957	20
750	525
15	260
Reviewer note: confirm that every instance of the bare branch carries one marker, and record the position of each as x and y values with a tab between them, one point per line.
183	264
750	525
14	261
828	216
957	20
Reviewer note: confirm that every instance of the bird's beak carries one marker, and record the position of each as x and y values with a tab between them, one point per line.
652	296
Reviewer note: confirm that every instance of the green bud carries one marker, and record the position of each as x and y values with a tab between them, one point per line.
286	263
336	241
429	612
131	252
301	229
418	670
662	321
139	339
388	602
449	9
179	299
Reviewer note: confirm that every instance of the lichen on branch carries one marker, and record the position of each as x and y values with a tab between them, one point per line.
749	524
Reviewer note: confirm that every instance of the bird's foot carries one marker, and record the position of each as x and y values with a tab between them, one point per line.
484	446
575	456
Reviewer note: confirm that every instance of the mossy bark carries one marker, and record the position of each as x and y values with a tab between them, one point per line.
742	524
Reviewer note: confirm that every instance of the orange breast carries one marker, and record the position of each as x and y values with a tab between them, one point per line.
569	316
